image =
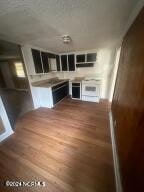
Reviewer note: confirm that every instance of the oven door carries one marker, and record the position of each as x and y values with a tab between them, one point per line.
90	90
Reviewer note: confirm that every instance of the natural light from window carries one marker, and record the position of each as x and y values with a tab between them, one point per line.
19	69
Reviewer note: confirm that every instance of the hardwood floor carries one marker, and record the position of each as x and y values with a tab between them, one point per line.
68	147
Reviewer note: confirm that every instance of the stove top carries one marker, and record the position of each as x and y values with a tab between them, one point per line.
92	80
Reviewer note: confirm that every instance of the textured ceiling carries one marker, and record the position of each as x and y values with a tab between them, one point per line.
90	23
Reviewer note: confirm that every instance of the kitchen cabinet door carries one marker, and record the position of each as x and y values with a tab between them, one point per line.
58	62
44	57
59	92
91	57
80	58
51	55
84	65
64	62
76	92
71	62
37	61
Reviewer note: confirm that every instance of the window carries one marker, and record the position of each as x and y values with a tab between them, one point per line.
19	69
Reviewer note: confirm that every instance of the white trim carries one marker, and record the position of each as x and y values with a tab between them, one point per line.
114	74
6	123
28	75
5	135
38	48
115	156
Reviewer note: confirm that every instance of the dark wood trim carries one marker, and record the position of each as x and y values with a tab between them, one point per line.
128	108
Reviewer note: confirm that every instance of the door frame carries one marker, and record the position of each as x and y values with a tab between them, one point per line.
7	126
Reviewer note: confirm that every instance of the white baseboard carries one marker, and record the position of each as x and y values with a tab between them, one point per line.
6	134
115	156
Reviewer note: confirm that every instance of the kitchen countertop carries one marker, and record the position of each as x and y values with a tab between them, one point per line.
77	80
49	83
55	81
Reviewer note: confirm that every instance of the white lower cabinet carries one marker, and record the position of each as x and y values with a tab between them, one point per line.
42	97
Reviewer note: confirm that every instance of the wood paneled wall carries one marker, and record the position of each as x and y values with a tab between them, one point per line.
2	82
128	108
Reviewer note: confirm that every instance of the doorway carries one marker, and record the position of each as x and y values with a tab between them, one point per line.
14	86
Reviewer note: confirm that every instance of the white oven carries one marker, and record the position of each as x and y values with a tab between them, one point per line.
91	90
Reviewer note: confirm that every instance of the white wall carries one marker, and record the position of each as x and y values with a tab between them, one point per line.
114	74
5	121
35	78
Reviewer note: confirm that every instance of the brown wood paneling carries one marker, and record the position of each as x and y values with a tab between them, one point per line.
68	147
128	107
2	82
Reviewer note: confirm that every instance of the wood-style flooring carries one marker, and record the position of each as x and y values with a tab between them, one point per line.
68	147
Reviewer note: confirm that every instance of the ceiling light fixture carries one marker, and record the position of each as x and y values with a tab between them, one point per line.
66	39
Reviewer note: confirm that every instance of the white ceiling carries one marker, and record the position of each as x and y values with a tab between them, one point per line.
90	23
